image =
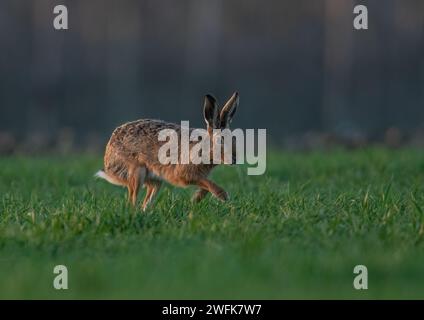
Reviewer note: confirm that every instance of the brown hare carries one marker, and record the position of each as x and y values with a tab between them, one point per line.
131	156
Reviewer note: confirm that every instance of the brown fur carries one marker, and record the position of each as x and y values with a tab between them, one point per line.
131	156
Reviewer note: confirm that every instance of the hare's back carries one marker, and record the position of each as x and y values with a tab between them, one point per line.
139	137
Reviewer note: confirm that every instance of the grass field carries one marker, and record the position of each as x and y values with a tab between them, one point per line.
296	232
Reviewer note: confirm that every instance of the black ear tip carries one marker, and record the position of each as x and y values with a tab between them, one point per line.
210	97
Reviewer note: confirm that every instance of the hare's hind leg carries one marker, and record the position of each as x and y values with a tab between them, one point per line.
153	187
136	176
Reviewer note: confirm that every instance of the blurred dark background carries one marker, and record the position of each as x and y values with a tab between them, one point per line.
302	70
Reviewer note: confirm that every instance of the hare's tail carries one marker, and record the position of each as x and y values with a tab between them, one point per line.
109	178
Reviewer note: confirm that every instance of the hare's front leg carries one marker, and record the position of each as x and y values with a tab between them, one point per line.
216	190
199	195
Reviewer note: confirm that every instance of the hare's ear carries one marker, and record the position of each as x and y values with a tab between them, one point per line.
228	110
210	112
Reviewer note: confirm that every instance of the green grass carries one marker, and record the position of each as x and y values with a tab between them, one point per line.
295	232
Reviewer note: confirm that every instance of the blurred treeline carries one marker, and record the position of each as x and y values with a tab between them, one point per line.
302	70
